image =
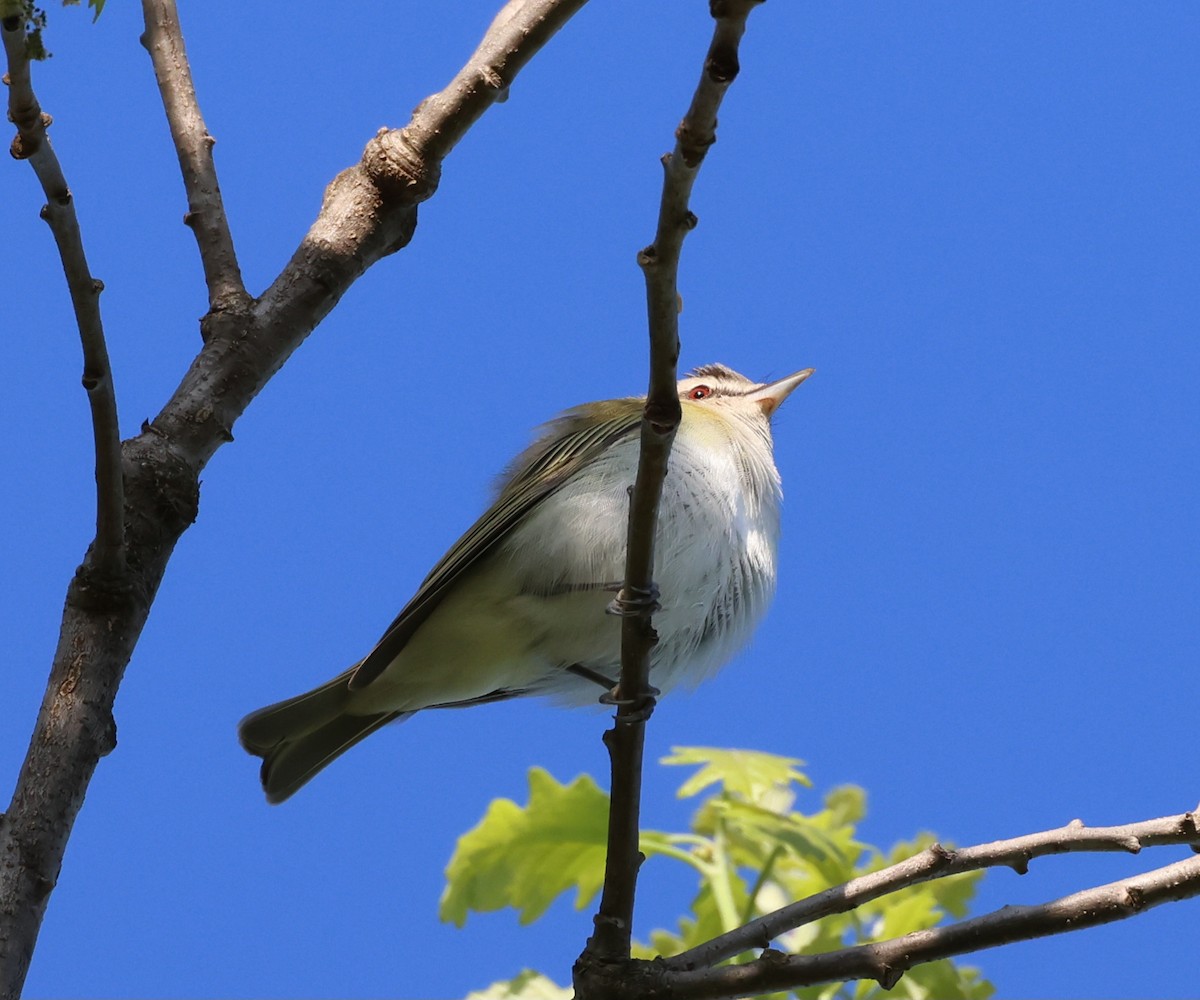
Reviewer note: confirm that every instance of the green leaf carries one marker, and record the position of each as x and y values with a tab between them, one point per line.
748	774
846	804
526	985
704	921
905	912
954	892
813	856
744	834
526	857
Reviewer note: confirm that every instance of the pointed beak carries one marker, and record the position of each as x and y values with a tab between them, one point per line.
772	395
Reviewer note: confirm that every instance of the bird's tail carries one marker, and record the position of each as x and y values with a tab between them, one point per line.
298	737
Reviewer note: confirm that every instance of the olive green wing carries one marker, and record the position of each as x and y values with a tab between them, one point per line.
571	443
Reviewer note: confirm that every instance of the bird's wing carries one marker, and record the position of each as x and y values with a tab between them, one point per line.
571	444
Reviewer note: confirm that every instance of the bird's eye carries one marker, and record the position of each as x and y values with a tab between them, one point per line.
700	392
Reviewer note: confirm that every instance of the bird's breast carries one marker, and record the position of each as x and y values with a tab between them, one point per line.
714	556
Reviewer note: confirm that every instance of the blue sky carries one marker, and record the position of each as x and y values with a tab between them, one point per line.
979	224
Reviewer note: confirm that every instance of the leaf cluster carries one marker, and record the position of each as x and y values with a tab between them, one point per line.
752	851
14	13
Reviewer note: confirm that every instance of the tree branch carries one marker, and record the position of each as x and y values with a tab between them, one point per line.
887	961
937	862
105	561
369	211
636	602
163	39
693	975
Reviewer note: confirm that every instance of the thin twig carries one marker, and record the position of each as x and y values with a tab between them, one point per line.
887	961
937	862
106	558
636	602
163	39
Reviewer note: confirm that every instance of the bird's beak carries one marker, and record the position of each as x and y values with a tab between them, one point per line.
772	395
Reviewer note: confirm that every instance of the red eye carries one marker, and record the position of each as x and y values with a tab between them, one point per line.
700	392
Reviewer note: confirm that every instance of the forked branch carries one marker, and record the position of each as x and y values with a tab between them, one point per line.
696	974
887	961
937	862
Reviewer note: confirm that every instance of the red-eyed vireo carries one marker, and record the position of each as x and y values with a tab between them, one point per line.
517	606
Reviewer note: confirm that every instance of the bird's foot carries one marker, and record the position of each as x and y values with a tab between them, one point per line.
635	602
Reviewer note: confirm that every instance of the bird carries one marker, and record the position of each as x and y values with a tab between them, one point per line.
517	606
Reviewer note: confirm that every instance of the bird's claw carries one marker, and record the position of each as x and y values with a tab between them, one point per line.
638	709
635	602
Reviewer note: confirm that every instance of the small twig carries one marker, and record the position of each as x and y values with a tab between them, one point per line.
660	266
163	39
887	961
107	556
937	862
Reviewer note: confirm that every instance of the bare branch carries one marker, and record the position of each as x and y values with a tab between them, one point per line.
887	961
636	601
937	862
163	39
106	559
369	211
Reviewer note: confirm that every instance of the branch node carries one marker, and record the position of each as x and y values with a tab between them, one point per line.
664	415
889	977
722	65
1075	824
694	147
106	739
99	593
491	78
97	285
399	168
